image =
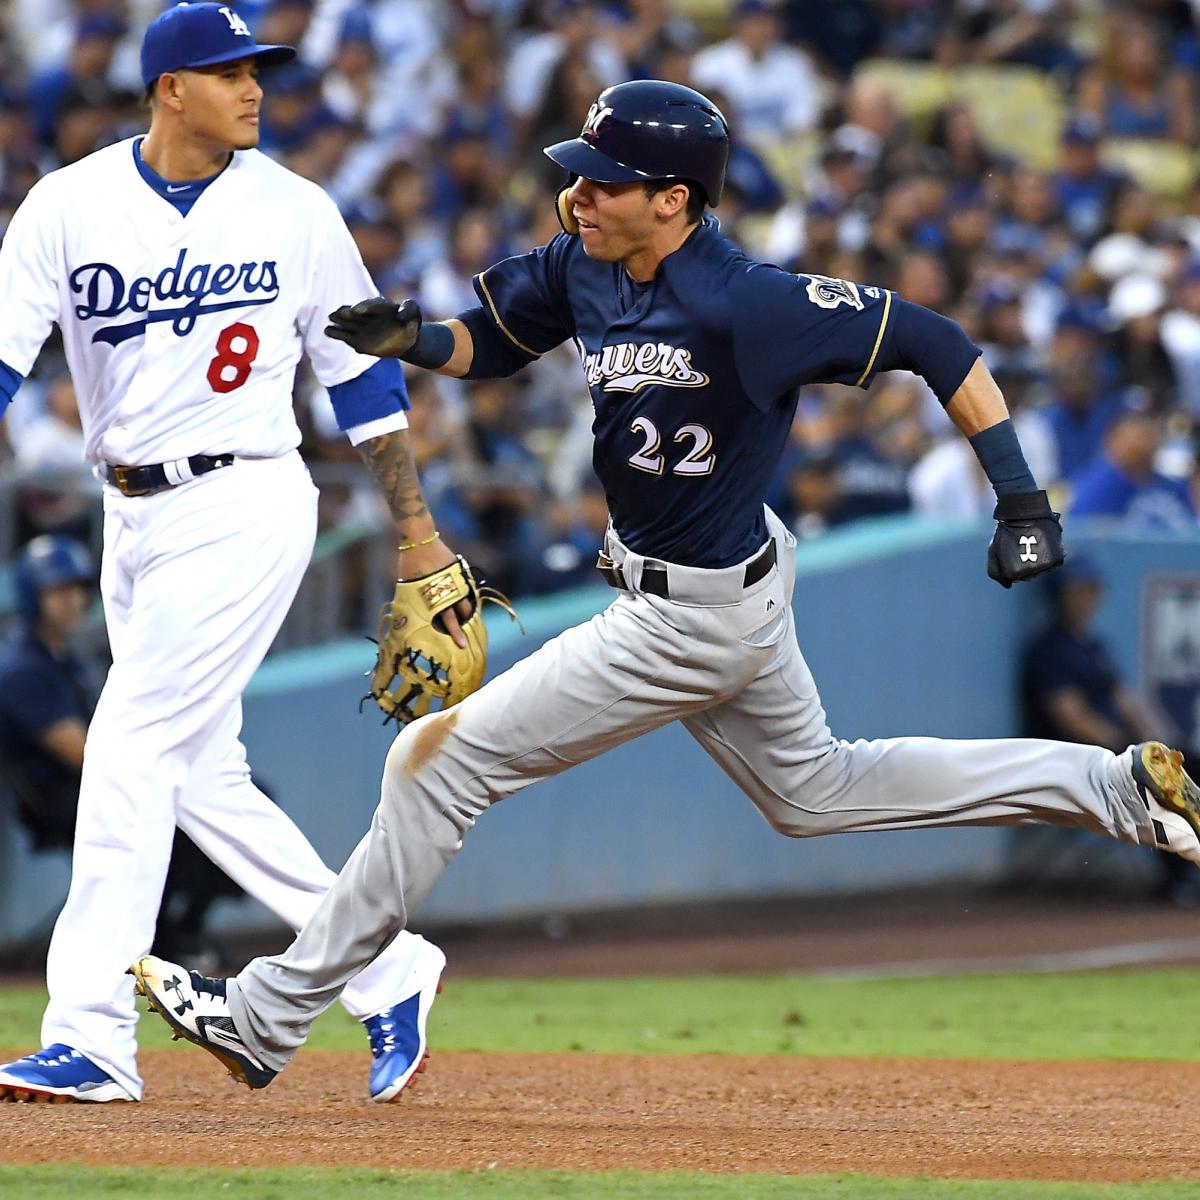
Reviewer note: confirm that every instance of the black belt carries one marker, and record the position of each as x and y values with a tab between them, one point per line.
654	578
142	481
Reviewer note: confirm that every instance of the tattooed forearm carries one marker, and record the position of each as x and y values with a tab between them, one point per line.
391	462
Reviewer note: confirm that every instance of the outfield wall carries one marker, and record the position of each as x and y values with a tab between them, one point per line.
905	635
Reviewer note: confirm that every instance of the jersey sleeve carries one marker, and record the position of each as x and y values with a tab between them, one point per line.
30	270
526	297
337	276
790	330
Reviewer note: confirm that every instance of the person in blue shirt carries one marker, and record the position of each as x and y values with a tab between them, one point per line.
1072	690
1083	401
1121	485
693	354
46	692
47	697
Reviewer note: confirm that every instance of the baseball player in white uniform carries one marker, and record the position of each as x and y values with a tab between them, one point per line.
188	272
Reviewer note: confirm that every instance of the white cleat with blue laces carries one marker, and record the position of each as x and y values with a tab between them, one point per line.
58	1075
397	1034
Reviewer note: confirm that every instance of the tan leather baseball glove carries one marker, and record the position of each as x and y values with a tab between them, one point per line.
418	661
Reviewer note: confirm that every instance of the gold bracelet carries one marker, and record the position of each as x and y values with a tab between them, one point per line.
433	537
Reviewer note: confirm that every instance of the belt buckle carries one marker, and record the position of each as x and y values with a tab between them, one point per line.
121	475
609	571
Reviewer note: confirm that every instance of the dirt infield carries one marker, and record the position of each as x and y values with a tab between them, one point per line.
1087	1121
1068	1121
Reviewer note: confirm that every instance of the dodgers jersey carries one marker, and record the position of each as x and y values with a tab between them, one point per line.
182	333
693	376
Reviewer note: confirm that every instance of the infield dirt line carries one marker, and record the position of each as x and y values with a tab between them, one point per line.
1085	1121
1093	958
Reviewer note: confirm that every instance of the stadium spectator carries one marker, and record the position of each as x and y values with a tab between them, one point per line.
1132	91
1072	691
1181	336
47	696
774	89
1083	185
1081	401
1121	486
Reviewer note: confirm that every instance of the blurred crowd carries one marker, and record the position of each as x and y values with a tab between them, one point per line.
901	143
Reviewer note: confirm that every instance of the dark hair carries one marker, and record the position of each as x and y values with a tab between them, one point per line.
695	201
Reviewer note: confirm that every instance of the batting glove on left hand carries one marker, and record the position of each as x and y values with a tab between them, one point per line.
377	326
1027	541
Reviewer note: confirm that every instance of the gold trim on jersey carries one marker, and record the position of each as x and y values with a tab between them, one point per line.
887	308
496	316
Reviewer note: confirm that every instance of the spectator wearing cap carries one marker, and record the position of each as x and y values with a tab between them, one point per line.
968	223
1122	487
1135	309
349	84
291	108
1180	331
86	70
774	89
1083	185
1004	339
1082	399
1071	690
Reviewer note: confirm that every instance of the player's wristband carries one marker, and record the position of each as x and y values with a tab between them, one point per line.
1002	459
433	348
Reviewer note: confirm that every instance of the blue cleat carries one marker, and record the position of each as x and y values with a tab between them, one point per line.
58	1075
398	1047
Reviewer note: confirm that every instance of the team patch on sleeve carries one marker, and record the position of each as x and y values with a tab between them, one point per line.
829	293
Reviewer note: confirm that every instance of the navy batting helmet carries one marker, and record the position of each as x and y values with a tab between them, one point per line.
650	129
49	561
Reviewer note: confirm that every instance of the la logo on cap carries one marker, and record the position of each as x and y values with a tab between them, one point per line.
235	22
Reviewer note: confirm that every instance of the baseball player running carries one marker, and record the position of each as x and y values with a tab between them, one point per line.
188	272
693	354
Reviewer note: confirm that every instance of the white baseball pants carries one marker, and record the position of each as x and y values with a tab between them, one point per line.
196	581
724	660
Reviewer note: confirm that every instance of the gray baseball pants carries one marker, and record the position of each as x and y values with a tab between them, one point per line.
724	660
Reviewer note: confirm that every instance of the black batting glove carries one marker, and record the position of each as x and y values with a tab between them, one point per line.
1028	538
377	326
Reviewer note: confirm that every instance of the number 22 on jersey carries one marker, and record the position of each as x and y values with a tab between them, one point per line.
699	460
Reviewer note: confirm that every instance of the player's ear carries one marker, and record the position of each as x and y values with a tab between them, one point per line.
672	200
168	90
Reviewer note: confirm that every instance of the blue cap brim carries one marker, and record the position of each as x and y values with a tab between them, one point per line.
583	159
267	56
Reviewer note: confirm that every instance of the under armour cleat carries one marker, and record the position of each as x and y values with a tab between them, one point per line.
398	1045
58	1075
197	1010
1171	797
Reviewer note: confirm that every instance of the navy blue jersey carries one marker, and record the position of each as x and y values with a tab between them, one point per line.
37	690
693	376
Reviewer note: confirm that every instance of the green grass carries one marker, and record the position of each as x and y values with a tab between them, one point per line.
83	1183
1077	1015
